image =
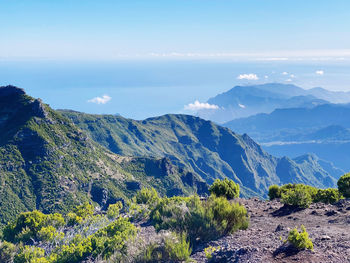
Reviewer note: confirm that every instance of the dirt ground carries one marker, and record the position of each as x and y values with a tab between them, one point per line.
328	227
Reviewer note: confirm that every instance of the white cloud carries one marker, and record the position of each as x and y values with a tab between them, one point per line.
288	80
292	75
266	77
241	106
285	73
250	76
100	100
319	72
200	106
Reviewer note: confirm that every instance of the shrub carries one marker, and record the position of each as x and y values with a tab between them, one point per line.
148	196
227	215
300	196
327	196
7	252
29	254
202	220
300	240
114	209
209	251
84	211
226	188
29	224
344	185
178	248
49	234
173	248
274	192
80	213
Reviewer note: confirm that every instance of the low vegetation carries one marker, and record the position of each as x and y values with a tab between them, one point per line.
300	195
344	185
227	188
37	237
89	234
300	240
202	220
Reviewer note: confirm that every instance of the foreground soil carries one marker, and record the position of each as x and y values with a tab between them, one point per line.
328	227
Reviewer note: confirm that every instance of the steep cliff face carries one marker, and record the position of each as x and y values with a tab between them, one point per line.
48	163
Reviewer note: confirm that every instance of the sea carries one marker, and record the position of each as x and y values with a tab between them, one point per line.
143	89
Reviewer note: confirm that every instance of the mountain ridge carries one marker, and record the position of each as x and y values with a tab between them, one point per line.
198	145
248	100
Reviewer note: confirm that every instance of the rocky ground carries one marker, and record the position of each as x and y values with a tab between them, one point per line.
327	225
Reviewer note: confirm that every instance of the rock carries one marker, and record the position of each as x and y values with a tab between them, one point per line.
133	185
325	237
279	228
39	109
331	213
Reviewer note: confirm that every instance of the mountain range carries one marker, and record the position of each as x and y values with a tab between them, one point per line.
202	147
323	130
51	160
245	101
48	163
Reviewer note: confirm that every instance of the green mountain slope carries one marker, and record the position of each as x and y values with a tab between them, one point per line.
200	146
47	163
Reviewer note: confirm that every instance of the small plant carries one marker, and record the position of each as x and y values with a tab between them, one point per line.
227	188
172	248
114	209
210	250
178	248
300	240
344	185
7	252
147	196
274	192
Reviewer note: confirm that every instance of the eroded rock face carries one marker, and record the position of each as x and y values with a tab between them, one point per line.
39	109
167	167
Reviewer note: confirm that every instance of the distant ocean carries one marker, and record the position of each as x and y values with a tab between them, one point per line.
141	89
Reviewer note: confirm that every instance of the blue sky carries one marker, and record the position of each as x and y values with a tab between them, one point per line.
85	29
142	58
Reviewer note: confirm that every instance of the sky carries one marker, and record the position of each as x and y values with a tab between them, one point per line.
142	58
113	29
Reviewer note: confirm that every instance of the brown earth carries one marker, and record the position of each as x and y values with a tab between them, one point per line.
328	227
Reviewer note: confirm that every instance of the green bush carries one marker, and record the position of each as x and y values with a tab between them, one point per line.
29	254
178	249
208	251
226	188
114	209
344	185
300	240
228	216
174	248
328	196
49	233
147	196
298	197
80	213
7	252
202	220
29	224
274	192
